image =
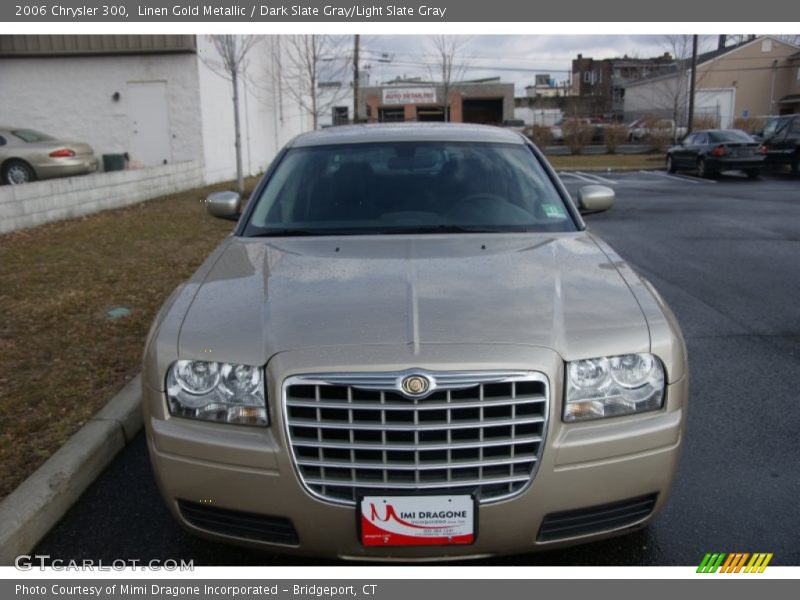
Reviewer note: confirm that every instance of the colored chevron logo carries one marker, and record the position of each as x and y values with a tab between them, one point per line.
734	562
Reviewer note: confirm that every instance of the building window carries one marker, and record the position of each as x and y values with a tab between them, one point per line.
766	45
798	75
391	115
341	115
587	77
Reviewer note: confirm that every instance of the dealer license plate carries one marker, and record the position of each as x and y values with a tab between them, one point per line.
417	520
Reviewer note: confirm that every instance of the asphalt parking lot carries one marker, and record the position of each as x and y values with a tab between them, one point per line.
725	253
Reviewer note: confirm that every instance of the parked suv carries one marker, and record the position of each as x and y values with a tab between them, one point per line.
781	138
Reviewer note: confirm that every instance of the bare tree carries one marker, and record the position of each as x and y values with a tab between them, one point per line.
447	64
680	46
232	51
308	62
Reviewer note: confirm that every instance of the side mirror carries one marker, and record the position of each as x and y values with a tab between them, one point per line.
595	198
224	205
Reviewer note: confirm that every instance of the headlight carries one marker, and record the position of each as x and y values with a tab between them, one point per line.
213	391
613	386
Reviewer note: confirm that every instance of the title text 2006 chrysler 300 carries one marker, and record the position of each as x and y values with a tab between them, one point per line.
411	348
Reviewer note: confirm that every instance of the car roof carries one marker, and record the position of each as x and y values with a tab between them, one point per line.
406	132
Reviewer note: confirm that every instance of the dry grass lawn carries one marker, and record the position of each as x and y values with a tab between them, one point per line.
62	357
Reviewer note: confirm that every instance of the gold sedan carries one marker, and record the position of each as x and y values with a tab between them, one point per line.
27	155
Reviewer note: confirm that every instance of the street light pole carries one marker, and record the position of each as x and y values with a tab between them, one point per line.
690	124
355	78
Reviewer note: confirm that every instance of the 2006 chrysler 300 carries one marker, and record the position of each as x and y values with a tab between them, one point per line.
411	348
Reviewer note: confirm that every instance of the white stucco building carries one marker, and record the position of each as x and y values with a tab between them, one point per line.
154	98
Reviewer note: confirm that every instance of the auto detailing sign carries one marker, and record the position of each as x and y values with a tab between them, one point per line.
421	95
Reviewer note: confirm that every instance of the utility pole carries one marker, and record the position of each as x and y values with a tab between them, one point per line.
689	125
355	78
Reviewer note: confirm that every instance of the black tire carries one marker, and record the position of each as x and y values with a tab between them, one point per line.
702	169
670	164
795	165
17	171
753	173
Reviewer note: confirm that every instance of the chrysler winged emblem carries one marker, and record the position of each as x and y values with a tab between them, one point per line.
415	385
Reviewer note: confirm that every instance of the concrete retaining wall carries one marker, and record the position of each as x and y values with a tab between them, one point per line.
32	204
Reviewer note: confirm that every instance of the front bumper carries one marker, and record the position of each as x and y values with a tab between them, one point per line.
249	469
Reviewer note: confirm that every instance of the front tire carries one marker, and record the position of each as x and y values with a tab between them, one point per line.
796	163
18	171
670	164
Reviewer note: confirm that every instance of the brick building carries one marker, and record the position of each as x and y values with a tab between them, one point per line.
487	101
608	77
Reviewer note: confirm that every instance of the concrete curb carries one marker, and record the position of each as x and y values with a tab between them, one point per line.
28	513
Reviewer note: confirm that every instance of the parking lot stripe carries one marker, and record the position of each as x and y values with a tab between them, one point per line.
687	178
580	177
596	177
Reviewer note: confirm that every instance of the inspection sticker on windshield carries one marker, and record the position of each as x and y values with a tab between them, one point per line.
417	520
553	211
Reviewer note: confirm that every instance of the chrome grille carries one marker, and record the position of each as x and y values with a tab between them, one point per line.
474	432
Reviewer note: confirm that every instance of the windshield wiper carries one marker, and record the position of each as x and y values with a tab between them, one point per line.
305	232
400	230
452	229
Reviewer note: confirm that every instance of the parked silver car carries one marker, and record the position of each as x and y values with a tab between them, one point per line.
411	332
27	155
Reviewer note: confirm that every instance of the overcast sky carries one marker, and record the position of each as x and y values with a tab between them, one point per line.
515	58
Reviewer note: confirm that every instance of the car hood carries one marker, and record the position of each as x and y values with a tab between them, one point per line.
558	291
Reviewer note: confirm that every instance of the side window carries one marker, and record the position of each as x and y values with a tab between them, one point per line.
2	141
795	128
700	139
690	139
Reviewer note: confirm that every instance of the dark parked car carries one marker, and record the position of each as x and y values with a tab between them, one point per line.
781	138
713	150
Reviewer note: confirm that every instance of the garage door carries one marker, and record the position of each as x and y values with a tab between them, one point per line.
716	102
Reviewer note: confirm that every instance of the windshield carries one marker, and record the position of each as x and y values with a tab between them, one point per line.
772	126
730	135
29	135
402	187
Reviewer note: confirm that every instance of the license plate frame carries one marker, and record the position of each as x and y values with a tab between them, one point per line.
417	530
